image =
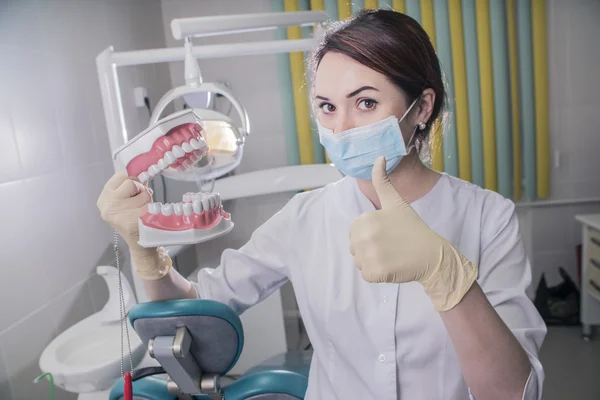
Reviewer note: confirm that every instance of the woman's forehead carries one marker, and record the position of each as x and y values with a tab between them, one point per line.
338	73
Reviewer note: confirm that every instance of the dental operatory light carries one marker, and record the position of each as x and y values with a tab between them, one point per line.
224	138
199	100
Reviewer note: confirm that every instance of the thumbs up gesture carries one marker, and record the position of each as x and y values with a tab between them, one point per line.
394	245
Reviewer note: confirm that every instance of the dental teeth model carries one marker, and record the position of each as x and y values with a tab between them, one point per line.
174	142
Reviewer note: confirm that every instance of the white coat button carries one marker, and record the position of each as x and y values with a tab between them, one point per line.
382	358
385	299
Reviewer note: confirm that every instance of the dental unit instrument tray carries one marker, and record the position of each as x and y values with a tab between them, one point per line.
176	143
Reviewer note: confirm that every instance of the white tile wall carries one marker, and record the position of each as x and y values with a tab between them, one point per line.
28	97
22	346
56	158
5	392
72	306
10	165
15	31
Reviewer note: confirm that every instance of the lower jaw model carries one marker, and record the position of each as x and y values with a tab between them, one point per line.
176	142
198	218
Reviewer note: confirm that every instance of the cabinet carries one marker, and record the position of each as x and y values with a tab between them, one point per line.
590	272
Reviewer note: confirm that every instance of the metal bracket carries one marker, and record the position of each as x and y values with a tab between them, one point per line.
172	352
185	377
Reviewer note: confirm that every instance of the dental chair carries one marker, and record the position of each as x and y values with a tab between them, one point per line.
196	343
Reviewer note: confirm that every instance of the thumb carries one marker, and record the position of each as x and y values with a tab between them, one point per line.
130	188
388	196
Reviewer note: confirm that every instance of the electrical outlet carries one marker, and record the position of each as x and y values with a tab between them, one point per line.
139	96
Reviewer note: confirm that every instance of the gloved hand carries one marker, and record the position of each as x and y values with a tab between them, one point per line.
394	245
122	201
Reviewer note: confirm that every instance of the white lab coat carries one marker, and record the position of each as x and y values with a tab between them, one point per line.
381	341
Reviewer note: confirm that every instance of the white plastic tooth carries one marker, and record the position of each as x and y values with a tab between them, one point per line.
170	157
197	206
178	151
188	197
153	170
195	144
178	208
167	209
188	209
144	177
187	163
154	208
197	196
218	199
187	147
163	164
213	201
206	203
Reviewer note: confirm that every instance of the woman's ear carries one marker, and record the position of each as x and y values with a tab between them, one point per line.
425	106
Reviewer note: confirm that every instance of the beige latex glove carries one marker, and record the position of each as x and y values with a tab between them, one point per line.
394	245
122	201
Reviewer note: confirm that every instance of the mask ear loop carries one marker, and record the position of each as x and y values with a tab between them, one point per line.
414	145
418	127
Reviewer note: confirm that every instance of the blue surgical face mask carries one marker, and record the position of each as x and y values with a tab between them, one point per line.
354	151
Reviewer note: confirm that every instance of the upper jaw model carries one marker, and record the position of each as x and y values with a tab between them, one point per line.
175	141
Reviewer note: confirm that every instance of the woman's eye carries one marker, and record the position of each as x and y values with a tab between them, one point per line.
327	108
367	104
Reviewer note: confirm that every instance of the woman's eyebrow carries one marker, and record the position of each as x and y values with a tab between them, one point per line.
351	94
357	91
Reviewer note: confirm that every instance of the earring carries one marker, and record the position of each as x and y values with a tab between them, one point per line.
422	126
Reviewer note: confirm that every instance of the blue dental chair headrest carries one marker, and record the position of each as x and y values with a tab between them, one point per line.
216	344
218	336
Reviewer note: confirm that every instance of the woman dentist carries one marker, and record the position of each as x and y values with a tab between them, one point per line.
411	284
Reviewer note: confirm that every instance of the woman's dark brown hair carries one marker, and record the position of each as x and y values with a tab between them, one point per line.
392	44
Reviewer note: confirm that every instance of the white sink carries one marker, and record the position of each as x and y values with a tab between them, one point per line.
87	356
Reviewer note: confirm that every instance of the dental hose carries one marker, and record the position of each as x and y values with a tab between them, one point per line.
50	379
